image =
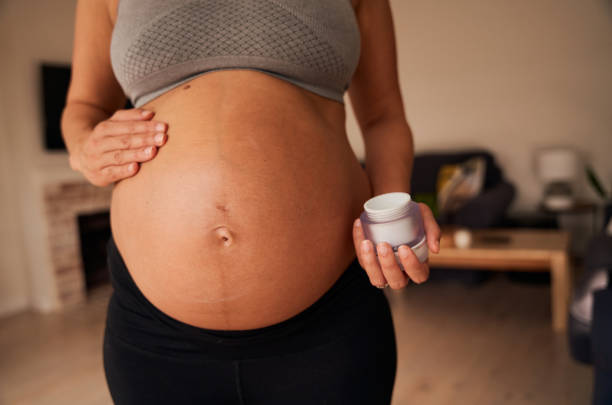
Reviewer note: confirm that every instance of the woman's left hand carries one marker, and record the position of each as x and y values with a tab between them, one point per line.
384	269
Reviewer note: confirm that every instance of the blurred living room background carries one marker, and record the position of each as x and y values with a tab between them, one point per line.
514	312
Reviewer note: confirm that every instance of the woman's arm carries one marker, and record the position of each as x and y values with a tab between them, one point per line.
93	94
377	102
103	142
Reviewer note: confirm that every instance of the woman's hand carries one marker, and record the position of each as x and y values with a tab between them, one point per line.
385	270
113	150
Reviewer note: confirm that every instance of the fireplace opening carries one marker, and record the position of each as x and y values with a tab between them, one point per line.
94	232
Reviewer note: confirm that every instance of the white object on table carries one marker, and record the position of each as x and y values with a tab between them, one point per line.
462	238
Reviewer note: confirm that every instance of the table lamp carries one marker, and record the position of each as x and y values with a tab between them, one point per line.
557	168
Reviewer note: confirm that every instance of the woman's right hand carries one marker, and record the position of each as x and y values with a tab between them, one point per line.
116	146
380	263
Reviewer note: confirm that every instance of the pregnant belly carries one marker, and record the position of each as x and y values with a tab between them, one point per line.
244	217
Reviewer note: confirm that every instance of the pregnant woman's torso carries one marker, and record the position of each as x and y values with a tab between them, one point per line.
244	217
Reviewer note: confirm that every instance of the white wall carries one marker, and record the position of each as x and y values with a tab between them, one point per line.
13	281
30	31
510	76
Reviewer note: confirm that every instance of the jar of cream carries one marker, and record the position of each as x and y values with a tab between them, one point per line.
396	219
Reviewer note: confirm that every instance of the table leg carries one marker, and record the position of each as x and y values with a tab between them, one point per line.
561	287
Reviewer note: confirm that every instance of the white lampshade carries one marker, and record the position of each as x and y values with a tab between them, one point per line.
557	164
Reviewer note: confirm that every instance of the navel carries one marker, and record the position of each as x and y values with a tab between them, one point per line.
224	235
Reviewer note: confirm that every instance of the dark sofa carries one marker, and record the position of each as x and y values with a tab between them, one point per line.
486	210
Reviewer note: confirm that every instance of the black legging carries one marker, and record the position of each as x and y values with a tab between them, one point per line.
340	350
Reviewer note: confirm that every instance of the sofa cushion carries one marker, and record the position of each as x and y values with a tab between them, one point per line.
427	165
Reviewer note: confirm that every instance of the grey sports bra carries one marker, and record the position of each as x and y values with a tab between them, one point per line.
157	45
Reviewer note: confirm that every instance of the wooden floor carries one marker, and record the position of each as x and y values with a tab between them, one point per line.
490	344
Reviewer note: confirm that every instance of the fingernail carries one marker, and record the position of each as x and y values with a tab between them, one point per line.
403	252
365	246
160	127
149	150
382	249
357	223
159	138
144	113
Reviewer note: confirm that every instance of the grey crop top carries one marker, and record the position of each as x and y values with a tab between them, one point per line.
157	45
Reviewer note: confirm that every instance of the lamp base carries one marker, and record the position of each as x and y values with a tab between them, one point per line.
558	202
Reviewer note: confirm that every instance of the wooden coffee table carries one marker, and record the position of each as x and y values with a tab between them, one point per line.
515	249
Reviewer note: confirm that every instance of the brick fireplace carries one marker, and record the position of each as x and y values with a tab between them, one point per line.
63	203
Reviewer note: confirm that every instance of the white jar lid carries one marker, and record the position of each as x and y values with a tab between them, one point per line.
387	207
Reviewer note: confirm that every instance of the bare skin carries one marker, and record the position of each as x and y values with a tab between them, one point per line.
242	214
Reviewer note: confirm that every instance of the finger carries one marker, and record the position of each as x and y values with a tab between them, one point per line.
358	238
393	273
115	173
121	157
417	271
132	114
370	264
132	141
114	128
432	230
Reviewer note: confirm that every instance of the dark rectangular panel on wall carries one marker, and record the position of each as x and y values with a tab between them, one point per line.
55	79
